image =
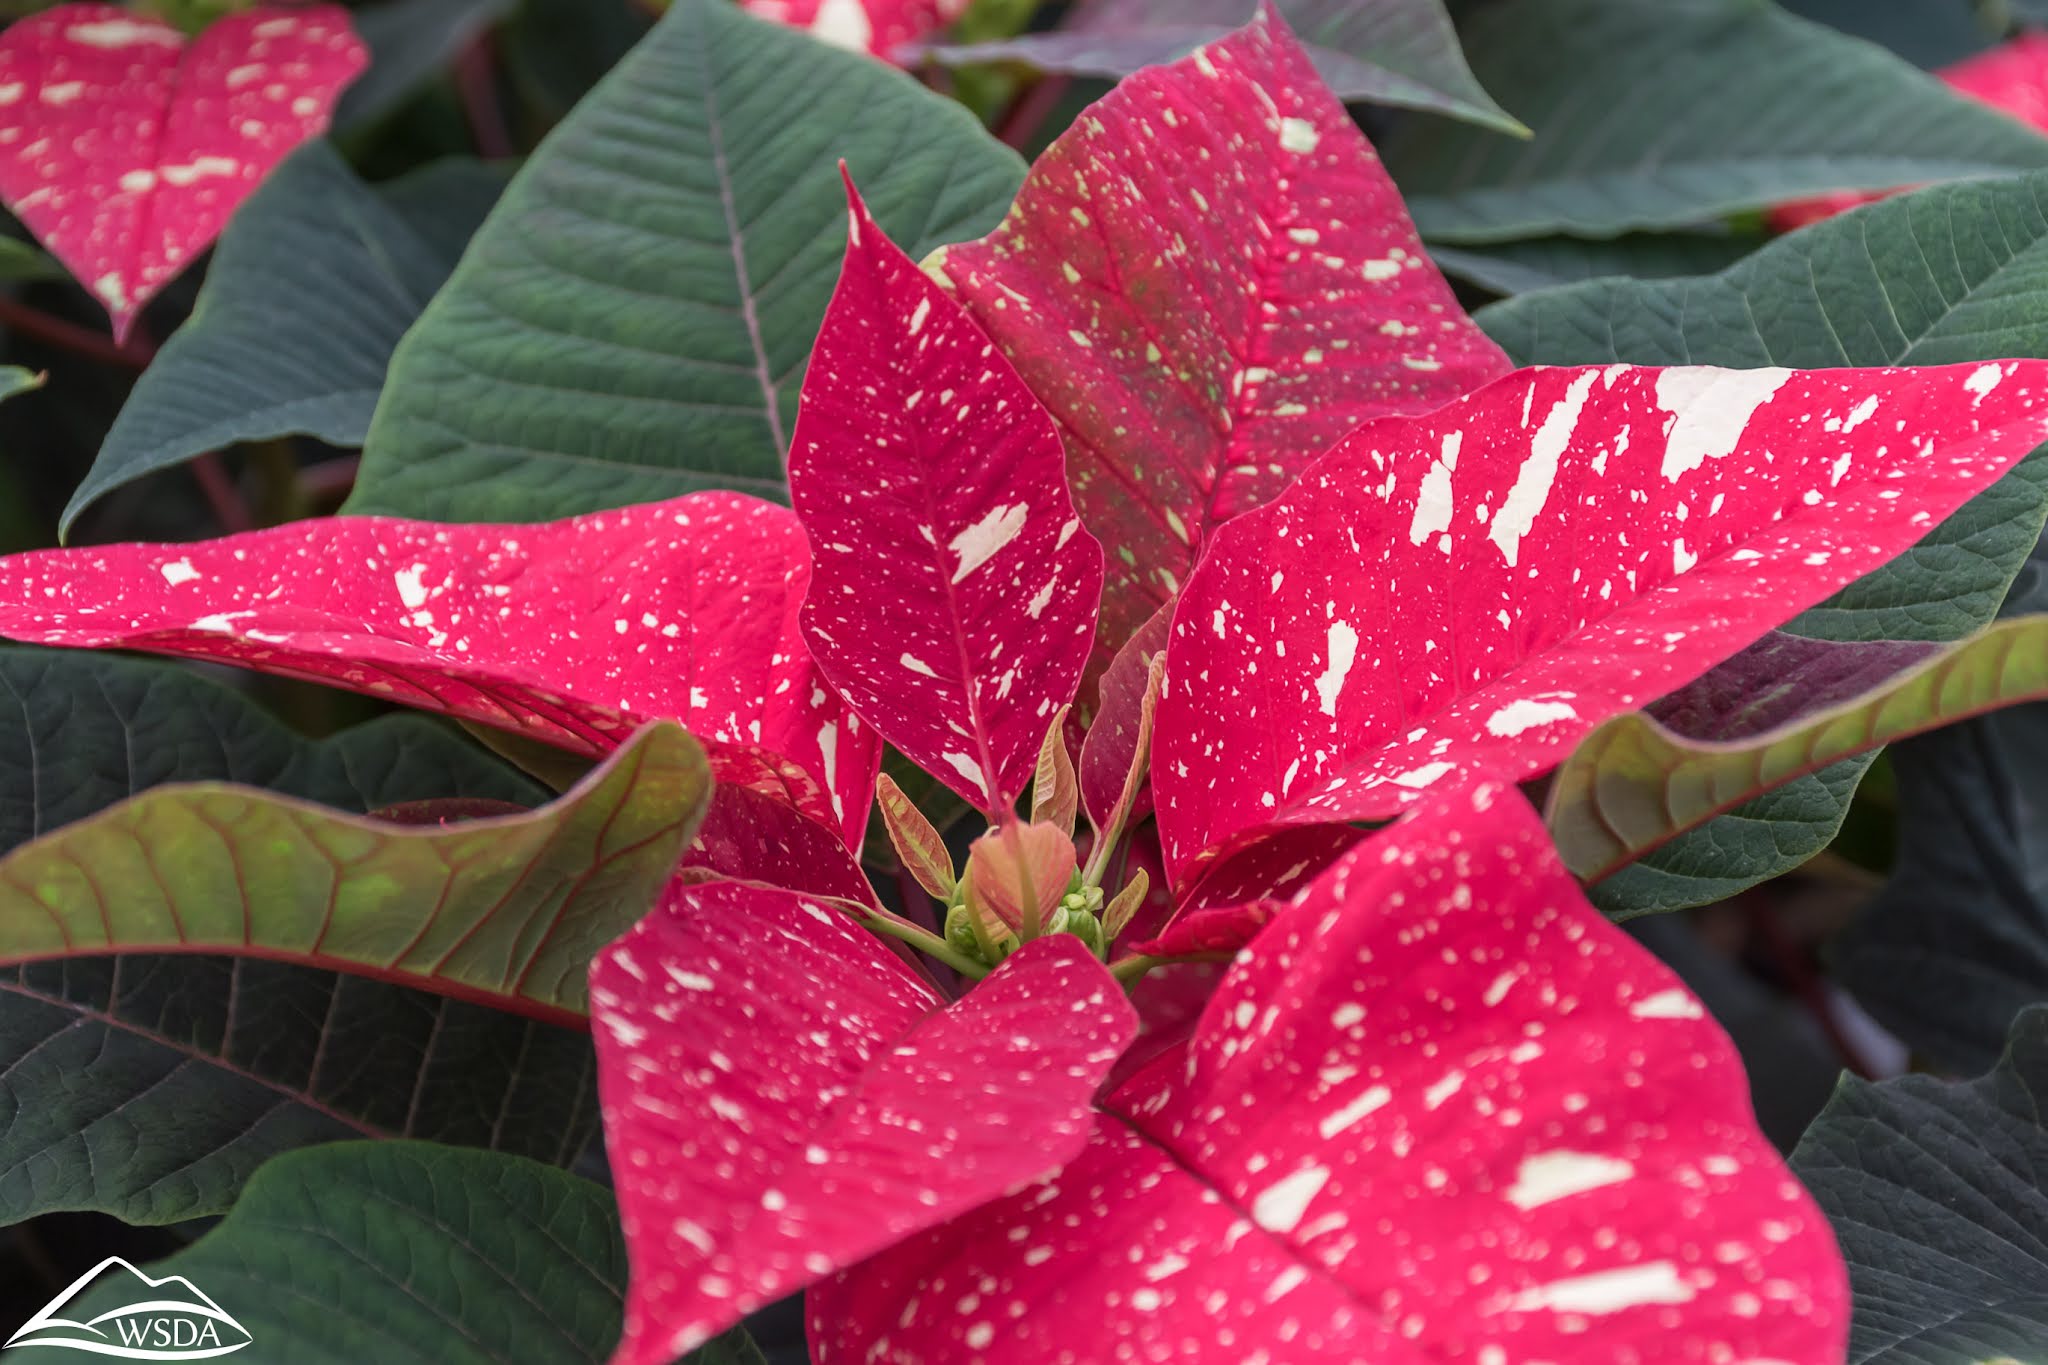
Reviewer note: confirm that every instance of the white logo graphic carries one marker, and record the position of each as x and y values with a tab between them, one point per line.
166	1319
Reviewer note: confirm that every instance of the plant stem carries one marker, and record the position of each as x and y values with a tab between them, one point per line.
929	944
225	500
1020	123
69	336
476	79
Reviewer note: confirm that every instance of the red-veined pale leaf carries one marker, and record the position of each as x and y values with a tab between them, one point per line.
1112	788
955	590
1475	590
125	148
876	26
1439	1110
2012	78
751	836
1209	278
782	1099
571	632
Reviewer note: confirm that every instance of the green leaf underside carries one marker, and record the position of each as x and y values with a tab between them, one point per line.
633	320
311	287
1399	53
506	911
1946	275
1720	106
406	1253
1936	1192
1633	783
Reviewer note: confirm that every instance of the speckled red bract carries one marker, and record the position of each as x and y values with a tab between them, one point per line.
1209	278
1441	1110
125	148
1474	590
955	590
782	1098
876	26
573	632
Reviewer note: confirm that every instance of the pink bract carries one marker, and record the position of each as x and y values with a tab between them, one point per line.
125	148
1472	591
782	1098
1208	279
955	591
571	632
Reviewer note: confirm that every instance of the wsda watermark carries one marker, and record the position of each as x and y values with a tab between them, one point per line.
145	1319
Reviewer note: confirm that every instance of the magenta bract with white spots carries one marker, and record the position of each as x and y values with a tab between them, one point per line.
125	148
955	590
782	1098
1474	590
1209	278
1439	1111
572	632
751	836
1122	725
875	26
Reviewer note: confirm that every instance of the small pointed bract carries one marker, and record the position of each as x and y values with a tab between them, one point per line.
125	148
1119	742
1440	1110
879	27
570	632
955	590
1474	590
782	1098
1209	278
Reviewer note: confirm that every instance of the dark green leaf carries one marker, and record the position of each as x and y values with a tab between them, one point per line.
407	1253
150	1087
409	41
1939	1196
633	319
1545	262
1667	113
70	724
1402	53
1956	944
310	289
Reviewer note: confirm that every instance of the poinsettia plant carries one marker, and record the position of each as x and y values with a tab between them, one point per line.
1045	756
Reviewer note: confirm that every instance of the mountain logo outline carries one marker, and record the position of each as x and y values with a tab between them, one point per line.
153	1327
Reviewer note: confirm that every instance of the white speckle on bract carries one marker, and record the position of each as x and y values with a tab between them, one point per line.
411	591
1343	647
919	314
1298	135
62	93
137	182
1416	779
1608	1291
1364	1103
1672	1004
1533	480
1279	1208
1550	1176
843	23
916	665
179	571
199	168
111	288
1433	504
1713	407
113	33
967	768
1983	380
1527	714
983	540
